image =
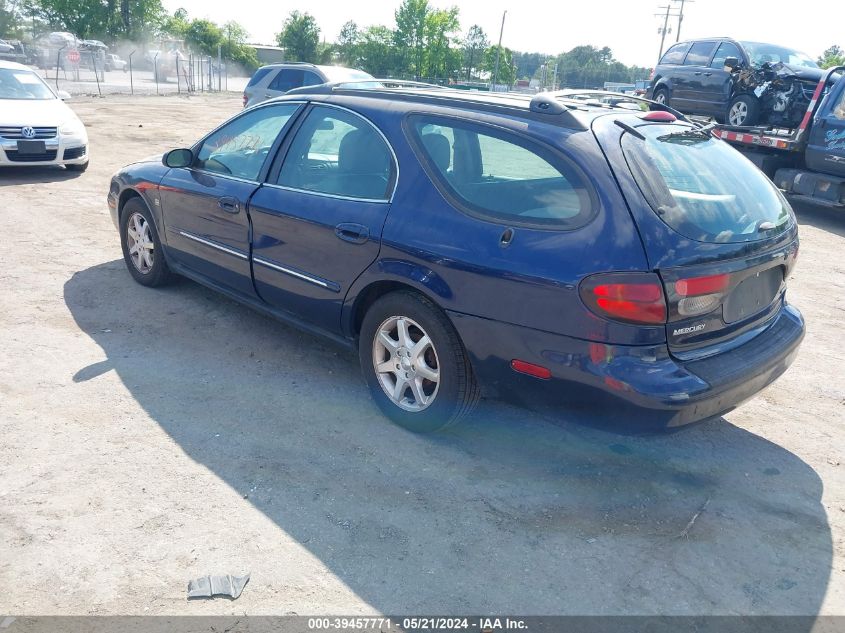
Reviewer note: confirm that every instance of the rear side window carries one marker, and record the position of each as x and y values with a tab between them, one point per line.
339	153
260	74
725	50
675	55
703	188
699	54
501	176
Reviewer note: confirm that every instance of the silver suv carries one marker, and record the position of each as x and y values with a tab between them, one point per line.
277	79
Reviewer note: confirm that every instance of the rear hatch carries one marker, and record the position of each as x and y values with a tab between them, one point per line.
718	233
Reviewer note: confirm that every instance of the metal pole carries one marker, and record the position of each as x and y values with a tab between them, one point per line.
155	69
498	51
58	63
96	74
131	80
178	80
219	67
680	21
663	34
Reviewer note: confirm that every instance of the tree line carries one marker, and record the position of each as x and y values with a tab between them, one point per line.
424	42
427	43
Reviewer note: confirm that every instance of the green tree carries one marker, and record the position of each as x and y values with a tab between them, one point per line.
235	46
177	24
833	56
10	19
440	26
347	43
300	37
410	34
204	36
377	53
507	69
475	43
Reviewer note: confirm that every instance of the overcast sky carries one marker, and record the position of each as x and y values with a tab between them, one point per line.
629	27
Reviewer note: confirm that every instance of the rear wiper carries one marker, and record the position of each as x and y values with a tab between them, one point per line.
696	131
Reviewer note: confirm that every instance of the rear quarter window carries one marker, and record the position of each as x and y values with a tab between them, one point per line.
501	176
675	55
260	74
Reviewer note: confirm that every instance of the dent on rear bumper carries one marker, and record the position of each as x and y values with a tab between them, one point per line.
647	377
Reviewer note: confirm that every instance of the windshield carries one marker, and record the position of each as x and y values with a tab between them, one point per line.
22	84
702	187
761	53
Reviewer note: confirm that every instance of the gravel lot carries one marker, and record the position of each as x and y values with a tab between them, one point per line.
152	436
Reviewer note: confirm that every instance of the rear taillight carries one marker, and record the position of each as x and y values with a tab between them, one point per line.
651	74
699	295
245	99
627	297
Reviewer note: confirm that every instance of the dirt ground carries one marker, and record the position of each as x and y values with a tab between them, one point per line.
153	436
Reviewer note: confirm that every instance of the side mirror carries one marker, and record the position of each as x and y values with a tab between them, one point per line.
64	95
178	158
731	63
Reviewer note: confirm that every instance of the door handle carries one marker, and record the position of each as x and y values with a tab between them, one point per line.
697	72
351	232
707	74
229	204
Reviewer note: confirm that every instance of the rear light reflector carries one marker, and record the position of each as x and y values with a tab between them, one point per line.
700	295
627	297
531	369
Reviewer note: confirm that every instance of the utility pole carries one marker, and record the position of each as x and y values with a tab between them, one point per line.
680	18
498	52
664	29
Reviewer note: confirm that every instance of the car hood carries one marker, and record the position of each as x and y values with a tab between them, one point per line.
35	112
805	73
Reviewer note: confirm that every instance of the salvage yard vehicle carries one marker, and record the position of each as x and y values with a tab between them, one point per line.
36	127
538	248
808	161
740	83
275	80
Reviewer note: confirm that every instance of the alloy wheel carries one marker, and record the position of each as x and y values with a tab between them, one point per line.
139	241
406	363
738	113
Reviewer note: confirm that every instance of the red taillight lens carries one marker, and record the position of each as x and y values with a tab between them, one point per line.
628	297
700	295
245	99
702	285
651	74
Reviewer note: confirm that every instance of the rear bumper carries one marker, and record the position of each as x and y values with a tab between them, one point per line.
647	383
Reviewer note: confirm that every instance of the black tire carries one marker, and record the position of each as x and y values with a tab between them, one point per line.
158	273
751	109
663	93
457	391
78	167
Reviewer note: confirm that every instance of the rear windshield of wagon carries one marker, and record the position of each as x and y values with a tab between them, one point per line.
703	188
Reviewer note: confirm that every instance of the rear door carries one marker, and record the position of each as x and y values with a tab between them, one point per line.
826	149
317	222
205	206
721	236
691	93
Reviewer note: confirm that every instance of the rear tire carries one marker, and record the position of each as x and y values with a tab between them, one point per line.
141	246
661	95
743	111
421	385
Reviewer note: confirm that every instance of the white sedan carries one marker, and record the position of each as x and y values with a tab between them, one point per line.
36	126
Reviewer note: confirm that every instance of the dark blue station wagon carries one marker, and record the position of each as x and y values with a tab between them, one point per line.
548	248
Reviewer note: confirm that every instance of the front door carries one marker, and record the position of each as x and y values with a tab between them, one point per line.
317	222
205	206
826	150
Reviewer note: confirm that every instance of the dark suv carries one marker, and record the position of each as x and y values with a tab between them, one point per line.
464	243
740	83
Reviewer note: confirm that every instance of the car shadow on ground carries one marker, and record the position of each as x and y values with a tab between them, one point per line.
508	513
10	176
